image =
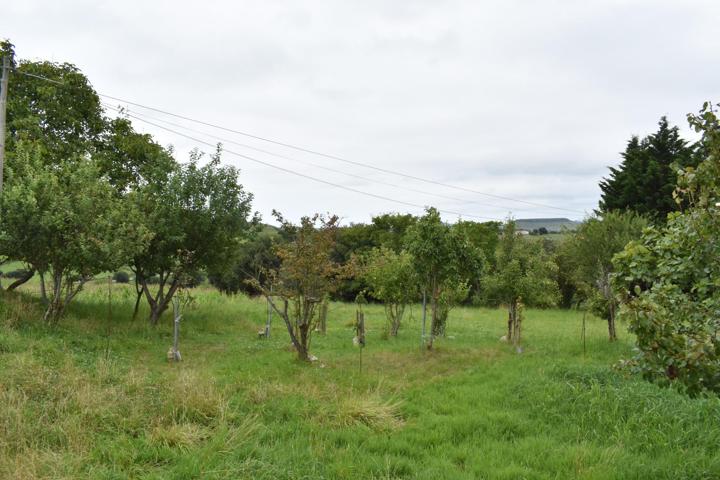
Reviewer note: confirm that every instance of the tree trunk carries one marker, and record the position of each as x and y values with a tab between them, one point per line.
518	322
514	322
155	313
611	323
302	347
56	305
433	321
43	291
139	292
434	300
607	292
302	350
161	301
511	321
397	320
28	275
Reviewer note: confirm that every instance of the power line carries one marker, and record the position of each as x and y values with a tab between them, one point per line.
315	179
143	117
39	77
314	152
381	197
335	157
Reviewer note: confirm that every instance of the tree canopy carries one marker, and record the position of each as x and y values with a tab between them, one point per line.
645	180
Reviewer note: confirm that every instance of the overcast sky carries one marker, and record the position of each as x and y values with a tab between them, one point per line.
529	100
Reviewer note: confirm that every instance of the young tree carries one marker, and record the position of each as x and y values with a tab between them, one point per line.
197	215
65	221
591	248
524	274
442	256
306	274
668	280
645	181
392	280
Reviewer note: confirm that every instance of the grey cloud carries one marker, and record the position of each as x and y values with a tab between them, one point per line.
523	99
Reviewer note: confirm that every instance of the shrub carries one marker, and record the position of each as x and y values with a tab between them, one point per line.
668	280
121	277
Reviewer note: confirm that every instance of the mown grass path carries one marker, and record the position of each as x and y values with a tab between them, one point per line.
97	399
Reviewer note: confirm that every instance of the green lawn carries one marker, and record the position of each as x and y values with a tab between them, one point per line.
97	399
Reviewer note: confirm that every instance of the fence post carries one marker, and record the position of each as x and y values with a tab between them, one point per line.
176	330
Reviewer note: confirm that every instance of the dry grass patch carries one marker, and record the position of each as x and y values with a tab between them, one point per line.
369	410
192	397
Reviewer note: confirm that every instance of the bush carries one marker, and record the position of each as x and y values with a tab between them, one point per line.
668	280
121	277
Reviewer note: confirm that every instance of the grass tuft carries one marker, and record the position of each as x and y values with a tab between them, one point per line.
370	411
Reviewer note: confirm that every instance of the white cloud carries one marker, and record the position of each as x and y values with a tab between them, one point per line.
515	98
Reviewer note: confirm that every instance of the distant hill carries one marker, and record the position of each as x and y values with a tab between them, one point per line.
551	224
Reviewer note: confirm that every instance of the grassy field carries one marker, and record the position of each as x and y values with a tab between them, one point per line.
97	399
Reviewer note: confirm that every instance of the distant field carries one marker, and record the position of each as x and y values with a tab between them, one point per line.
97	399
555	237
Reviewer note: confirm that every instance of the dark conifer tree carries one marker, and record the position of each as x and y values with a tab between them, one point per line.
645	179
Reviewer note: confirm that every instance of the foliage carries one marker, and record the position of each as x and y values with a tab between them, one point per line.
357	239
668	280
198	215
130	159
391	279
567	286
389	229
646	178
442	257
121	277
252	259
62	119
351	240
524	274
65	221
485	237
307	273
453	293
590	250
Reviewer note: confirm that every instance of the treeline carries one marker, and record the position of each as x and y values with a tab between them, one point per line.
387	232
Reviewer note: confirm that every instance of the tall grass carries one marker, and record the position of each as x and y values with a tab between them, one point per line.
96	398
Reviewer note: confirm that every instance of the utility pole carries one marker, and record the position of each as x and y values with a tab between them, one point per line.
3	107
